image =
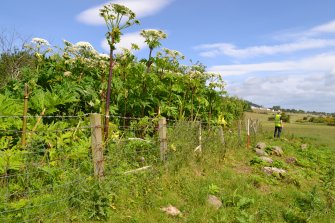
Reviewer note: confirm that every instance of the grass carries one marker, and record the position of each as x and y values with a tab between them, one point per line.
304	194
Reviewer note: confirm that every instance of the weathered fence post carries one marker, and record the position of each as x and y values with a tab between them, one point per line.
200	136
221	135
239	132
25	111
162	137
198	148
97	146
254	126
248	133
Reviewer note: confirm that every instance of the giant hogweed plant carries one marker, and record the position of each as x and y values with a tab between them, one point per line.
117	17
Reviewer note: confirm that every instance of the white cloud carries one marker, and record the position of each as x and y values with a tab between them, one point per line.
306	84
308	92
126	41
320	62
321	29
212	50
317	37
142	9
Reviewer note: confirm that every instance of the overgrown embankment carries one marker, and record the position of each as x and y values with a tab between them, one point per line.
304	193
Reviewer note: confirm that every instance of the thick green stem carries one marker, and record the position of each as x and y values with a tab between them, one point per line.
110	77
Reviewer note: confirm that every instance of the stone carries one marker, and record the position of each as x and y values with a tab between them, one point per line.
266	159
271	170
261	145
214	201
276	150
260	152
291	160
171	210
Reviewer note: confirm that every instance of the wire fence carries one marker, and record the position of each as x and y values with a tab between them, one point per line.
42	175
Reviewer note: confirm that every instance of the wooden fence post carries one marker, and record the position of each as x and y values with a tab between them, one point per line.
239	132
162	137
248	133
97	146
25	111
221	135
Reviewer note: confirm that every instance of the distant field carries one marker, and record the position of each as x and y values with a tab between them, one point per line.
322	134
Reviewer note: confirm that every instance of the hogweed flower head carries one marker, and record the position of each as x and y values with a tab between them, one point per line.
117	17
84	45
173	54
104	56
40	41
152	37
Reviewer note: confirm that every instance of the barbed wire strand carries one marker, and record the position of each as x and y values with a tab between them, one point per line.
44	116
108	116
55	130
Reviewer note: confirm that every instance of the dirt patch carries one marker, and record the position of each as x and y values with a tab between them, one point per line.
198	173
264	188
243	169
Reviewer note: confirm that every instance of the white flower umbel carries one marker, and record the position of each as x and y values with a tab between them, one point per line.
40	41
84	45
104	56
174	54
153	34
67	43
39	46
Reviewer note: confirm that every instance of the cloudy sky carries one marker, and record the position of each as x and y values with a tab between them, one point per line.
269	52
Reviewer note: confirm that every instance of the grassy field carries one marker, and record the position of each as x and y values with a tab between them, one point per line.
321	135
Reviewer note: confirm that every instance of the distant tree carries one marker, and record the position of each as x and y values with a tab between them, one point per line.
276	108
13	57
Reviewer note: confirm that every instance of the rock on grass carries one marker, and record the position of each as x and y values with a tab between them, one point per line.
171	210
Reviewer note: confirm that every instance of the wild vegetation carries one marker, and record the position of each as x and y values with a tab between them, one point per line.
50	177
320	119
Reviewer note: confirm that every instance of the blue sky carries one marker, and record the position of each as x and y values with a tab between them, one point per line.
269	52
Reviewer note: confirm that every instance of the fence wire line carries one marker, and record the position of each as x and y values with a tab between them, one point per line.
42	131
72	129
44	116
107	116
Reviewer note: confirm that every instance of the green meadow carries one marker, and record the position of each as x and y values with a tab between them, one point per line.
320	134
